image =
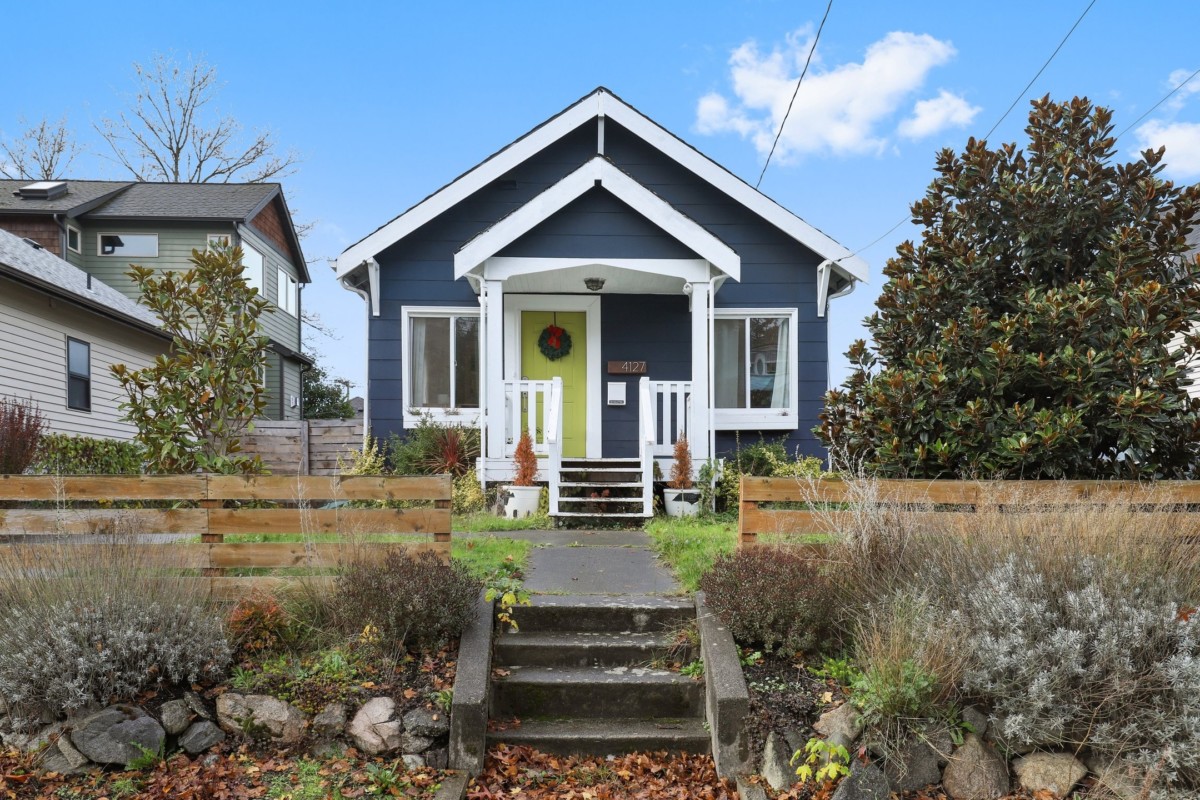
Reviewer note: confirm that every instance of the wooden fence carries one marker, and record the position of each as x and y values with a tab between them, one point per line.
304	447
760	510
190	517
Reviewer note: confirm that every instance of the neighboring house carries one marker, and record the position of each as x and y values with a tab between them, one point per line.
102	227
692	303
60	331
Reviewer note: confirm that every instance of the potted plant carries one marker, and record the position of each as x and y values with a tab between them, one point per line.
679	497
523	493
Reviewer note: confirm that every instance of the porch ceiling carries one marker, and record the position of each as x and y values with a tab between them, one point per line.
617	280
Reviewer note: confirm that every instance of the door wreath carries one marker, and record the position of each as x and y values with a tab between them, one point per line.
554	342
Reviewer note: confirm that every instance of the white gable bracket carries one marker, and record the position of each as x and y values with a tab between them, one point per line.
621	186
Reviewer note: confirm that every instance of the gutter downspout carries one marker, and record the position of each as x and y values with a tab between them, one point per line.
712	369
367	377
62	236
481	287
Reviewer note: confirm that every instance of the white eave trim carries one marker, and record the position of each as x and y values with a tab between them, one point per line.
597	171
602	104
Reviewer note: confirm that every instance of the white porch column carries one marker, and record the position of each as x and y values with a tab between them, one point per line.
698	433
493	341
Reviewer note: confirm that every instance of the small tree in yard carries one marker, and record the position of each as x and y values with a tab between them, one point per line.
21	428
192	404
681	470
1042	326
524	460
324	398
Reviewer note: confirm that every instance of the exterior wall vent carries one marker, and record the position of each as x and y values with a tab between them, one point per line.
43	190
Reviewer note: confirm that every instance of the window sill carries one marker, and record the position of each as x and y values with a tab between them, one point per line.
754	420
460	418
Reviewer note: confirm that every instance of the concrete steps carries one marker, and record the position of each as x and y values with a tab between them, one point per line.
580	676
600	488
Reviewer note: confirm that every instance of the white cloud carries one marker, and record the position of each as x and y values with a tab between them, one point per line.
840	110
1179	99
931	116
1182	140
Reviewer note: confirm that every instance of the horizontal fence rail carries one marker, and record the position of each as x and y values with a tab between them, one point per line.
798	506
305	523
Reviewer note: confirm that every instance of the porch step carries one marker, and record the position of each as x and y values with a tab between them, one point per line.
602	485
586	499
613	486
604	515
606	736
585	648
593	613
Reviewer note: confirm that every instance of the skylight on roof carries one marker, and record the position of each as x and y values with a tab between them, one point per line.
43	190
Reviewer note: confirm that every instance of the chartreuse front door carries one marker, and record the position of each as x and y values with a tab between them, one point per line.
572	368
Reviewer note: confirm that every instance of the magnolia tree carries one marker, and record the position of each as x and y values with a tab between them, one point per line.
1042	327
192	405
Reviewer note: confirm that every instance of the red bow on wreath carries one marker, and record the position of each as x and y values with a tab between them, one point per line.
555	336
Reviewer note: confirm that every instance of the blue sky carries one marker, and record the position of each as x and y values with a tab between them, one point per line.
385	102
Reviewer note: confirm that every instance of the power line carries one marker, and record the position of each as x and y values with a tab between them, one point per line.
1017	99
803	72
1003	116
1150	110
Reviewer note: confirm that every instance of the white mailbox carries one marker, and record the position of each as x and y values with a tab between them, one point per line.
616	393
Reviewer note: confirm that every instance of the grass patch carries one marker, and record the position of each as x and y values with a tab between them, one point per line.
485	556
483	522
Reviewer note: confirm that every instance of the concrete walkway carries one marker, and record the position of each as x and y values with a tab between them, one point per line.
591	562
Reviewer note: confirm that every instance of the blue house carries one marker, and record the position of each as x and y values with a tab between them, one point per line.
603	284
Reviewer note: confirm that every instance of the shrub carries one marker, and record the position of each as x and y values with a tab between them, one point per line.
681	469
467	495
21	426
257	624
433	449
97	623
414	601
524	461
371	460
774	597
61	454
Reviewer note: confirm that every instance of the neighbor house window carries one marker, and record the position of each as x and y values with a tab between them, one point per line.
252	267
74	242
286	288
128	245
79	375
754	358
441	346
219	241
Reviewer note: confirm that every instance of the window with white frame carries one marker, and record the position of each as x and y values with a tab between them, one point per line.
252	267
441	349
127	245
219	241
286	289
74	240
79	375
754	368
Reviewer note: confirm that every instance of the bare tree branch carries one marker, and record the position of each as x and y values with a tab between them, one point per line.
42	152
172	133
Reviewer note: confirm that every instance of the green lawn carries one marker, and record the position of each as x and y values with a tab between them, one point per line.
483	522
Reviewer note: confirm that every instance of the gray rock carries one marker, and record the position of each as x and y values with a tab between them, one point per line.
412	744
936	734
56	760
844	719
200	736
118	735
375	728
330	721
31	742
423	722
260	716
1056	773
795	738
865	782
175	716
74	758
776	763
196	704
412	762
976	719
437	759
1123	781
975	772
913	766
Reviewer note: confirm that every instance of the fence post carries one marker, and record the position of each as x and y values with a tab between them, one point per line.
208	503
745	537
305	454
444	502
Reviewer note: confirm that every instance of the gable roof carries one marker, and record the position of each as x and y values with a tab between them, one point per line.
599	103
597	171
46	271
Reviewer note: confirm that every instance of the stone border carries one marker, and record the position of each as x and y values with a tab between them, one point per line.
453	788
727	700
469	709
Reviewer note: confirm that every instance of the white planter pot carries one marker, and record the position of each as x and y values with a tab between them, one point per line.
681	502
522	501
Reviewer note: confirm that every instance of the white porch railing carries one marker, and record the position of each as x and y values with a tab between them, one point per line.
664	408
536	406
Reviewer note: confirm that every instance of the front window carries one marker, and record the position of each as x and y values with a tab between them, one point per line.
443	358
252	267
754	362
74	243
79	375
285	286
219	241
128	245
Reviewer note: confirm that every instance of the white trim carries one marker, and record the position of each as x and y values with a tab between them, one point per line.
514	304
466	417
601	103
285	291
78	240
208	240
732	419
824	273
100	250
597	170
505	267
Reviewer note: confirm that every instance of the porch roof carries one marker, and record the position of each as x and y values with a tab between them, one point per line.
600	103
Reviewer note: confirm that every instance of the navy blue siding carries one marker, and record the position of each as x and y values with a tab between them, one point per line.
777	272
651	328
